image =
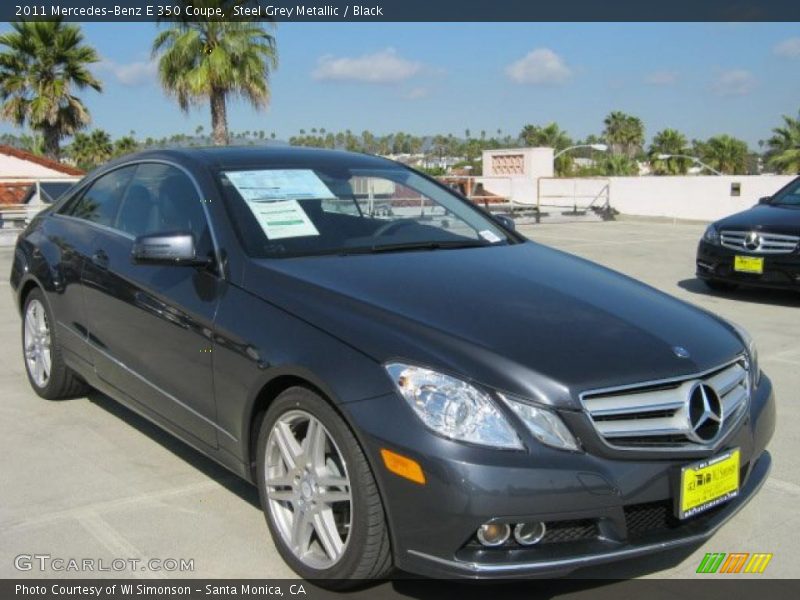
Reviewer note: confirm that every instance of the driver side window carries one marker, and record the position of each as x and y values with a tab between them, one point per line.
162	199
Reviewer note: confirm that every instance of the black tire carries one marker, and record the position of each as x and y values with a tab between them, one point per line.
720	286
62	382
367	554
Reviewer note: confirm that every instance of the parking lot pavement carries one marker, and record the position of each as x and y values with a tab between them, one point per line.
87	478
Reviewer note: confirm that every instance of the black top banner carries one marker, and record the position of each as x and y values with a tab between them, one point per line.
403	10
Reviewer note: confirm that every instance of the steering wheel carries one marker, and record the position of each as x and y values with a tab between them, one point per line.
391	226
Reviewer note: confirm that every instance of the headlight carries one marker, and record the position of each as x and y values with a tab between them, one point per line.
752	354
453	408
545	425
711	235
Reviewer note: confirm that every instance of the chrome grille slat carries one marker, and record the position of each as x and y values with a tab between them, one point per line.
771	243
655	414
616	405
725	381
732	401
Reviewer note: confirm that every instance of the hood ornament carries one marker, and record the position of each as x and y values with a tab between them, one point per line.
680	352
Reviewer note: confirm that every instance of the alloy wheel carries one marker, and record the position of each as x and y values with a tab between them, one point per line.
38	357
308	489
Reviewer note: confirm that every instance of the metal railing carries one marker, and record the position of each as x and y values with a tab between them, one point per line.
16	215
491	192
574	197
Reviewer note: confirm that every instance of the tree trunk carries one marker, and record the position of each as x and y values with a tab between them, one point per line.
219	118
51	143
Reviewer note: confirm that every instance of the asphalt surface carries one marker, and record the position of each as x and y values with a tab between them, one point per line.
87	478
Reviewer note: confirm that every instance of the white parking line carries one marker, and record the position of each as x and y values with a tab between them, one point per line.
117	544
81	512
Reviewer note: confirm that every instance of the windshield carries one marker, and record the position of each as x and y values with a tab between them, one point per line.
788	196
313	211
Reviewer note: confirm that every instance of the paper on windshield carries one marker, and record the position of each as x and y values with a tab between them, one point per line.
272	196
278	184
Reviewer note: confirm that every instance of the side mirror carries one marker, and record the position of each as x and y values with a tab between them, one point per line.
167	249
506	221
765	200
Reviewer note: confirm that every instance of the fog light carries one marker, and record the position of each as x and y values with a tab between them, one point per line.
528	534
494	534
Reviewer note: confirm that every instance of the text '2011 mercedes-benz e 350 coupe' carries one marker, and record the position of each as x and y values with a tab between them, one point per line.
409	382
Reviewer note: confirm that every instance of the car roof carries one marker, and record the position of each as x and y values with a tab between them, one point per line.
239	157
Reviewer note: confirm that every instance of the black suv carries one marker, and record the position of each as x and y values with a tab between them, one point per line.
756	247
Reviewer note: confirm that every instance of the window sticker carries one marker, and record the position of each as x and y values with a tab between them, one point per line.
282	219
279	184
272	195
490	236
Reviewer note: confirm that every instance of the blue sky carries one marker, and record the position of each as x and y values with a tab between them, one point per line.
702	79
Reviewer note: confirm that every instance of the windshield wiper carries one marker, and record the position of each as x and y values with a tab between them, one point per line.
428	245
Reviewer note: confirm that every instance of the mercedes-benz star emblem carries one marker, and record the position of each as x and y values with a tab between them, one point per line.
752	241
705	413
680	352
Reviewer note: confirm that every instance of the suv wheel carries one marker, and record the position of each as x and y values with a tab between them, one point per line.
318	493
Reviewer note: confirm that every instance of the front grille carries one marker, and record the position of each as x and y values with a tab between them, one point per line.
658	517
656	415
651	517
760	243
570	531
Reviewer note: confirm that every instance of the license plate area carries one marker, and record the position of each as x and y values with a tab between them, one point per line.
749	264
708	483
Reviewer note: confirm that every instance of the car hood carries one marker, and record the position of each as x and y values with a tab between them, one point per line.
524	318
774	219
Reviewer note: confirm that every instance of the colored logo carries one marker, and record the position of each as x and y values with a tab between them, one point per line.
734	562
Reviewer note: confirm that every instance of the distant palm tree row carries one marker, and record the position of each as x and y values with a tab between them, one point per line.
43	65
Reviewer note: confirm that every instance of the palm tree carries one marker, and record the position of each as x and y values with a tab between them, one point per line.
214	60
724	153
550	136
90	150
784	146
125	145
618	164
44	64
624	133
669	141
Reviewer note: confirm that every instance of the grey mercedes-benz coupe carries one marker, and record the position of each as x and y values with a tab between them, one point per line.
409	382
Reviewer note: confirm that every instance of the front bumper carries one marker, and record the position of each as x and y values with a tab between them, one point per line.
602	507
716	263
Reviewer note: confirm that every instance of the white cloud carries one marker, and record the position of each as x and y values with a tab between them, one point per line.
661	78
417	93
788	48
736	82
539	67
130	74
384	66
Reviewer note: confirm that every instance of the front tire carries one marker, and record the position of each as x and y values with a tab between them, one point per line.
318	493
47	373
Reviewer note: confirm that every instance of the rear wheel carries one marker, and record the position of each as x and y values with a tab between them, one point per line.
318	493
50	378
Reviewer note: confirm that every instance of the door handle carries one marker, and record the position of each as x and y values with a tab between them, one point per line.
100	259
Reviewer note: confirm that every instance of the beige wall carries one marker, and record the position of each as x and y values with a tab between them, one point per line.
513	172
701	197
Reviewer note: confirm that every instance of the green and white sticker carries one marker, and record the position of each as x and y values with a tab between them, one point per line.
283	219
272	195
